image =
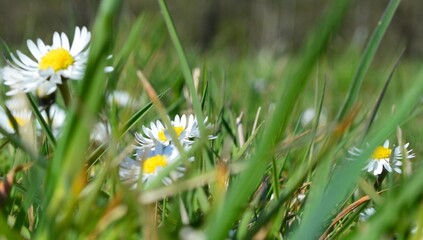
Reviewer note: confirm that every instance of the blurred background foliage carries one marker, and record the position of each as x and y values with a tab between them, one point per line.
240	26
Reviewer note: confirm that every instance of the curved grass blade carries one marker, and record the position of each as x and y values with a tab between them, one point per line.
368	56
41	120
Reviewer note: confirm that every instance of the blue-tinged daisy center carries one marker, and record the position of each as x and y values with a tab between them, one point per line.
151	164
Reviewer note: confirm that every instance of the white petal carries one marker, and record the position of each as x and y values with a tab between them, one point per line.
26	60
34	49
386	143
378	169
65	42
57	42
42	47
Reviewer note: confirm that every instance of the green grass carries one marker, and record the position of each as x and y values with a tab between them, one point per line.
244	183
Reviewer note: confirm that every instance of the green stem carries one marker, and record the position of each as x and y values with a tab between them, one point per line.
65	91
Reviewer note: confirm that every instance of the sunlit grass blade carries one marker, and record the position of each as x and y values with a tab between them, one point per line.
226	212
64	172
367	57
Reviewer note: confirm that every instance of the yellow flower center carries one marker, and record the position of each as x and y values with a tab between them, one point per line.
381	153
19	121
162	136
58	59
150	165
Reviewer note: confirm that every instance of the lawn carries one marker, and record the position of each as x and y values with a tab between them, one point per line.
121	131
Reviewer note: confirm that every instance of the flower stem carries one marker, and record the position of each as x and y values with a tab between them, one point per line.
65	91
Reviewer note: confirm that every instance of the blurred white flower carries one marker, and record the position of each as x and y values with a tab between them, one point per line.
22	118
55	118
101	132
120	98
309	114
366	214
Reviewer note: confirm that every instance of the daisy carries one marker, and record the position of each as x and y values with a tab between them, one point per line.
18	102
380	158
101	132
120	98
50	65
366	214
56	118
310	114
22	118
186	129
148	163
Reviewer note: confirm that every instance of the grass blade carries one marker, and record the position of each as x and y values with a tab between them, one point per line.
368	56
186	70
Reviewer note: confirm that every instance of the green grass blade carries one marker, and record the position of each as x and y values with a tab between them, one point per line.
131	44
186	70
382	94
41	120
367	57
69	159
227	211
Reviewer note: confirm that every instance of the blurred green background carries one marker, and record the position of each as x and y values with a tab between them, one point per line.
238	25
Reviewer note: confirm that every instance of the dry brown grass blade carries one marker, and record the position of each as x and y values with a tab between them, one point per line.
345	212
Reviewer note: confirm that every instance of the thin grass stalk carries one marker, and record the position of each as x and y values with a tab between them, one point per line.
186	70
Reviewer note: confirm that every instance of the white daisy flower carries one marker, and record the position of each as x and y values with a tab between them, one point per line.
148	163
51	64
185	128
17	103
56	117
120	98
101	132
366	214
22	118
309	114
381	156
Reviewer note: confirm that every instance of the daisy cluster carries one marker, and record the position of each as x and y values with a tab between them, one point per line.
51	65
385	157
156	150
